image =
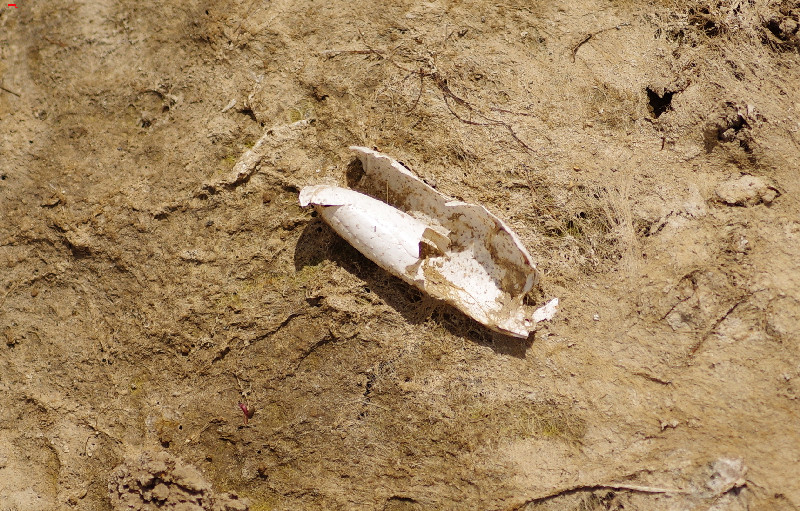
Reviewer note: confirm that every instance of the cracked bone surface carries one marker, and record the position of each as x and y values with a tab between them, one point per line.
457	252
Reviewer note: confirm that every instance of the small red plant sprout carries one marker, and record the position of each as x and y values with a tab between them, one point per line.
248	412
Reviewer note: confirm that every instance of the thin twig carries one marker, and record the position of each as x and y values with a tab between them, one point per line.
643	489
512	112
716	324
336	53
580	43
595	487
587	37
441	83
447	94
489	121
10	91
57	43
653	378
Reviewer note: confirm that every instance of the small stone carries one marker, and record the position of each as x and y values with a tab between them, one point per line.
190	478
727	473
770	195
161	492
674	423
746	190
728	135
145	479
788	27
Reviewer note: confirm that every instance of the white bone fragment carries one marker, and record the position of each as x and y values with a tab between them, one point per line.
546	312
229	106
454	251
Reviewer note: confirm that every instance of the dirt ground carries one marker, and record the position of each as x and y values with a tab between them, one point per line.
647	154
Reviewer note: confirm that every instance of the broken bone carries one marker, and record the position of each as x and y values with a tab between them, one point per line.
454	251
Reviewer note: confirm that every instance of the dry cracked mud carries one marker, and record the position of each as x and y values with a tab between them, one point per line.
645	152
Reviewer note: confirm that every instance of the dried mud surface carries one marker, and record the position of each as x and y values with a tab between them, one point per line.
646	153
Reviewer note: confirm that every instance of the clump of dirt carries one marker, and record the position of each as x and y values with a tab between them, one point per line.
151	481
746	191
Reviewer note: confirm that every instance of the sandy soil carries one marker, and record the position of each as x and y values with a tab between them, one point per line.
646	153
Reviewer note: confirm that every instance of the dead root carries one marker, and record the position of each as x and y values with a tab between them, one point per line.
470	114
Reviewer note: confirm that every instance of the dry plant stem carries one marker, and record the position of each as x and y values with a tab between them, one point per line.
587	37
10	91
441	83
716	324
593	487
247	165
652	378
689	276
643	489
57	43
447	93
336	53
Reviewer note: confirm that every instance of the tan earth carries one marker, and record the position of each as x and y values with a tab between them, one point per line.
647	153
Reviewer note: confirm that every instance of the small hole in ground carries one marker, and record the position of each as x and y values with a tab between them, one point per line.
658	103
248	112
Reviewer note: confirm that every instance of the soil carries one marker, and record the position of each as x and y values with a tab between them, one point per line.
645	152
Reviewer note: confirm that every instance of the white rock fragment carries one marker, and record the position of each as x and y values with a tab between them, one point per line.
727	474
198	256
746	190
230	105
457	252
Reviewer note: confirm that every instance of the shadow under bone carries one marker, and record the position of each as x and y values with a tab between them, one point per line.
318	242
